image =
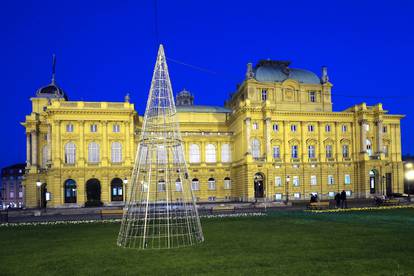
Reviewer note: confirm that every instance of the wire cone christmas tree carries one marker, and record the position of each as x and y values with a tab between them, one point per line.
161	211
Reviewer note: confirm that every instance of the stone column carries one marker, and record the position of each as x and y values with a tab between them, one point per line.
34	147
104	144
268	137
28	151
49	144
81	148
363	136
249	146
58	144
379	136
127	156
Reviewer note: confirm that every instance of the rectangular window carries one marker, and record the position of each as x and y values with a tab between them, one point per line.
116	128
331	180
331	194
276	152
275	127
311	128
384	129
312	96
195	185
345	151
94	128
311	151
255	126
211	198
328	128
294	151
227	184
278	196
69	128
347	179
296	181
348	193
11	194
313	180
344	128
296	195
278	181
20	194
293	128
211	184
385	150
329	151
264	95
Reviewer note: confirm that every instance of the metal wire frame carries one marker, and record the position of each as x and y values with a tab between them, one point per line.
161	210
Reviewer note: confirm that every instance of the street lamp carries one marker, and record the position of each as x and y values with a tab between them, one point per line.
287	189
38	184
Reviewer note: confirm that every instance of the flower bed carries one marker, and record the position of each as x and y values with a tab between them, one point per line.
360	209
106	221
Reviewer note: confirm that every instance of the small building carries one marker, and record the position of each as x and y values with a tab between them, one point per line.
12	190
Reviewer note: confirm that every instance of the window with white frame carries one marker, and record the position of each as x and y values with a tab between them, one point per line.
295	151
344	128
255	148
366	125
296	195
116	128
275	127
311	128
45	155
93	152
211	198
369	147
331	194
313	180
227	183
328	151
194	153
178	185
276	152
195	184
264	95
311	151
94	128
385	150
116	152
143	154
177	153
69	128
161	186
348	193
70	153
20	194
278	196
312	96
255	126
296	181
278	181
210	153
11	194
328	128
225	153
161	154
345	151
293	128
211	184
331	180
347	179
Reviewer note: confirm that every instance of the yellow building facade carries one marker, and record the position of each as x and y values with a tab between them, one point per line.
276	139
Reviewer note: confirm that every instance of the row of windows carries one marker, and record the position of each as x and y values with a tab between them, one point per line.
295	151
210	153
279	196
93	152
313	180
294	127
312	96
195	185
94	128
12	194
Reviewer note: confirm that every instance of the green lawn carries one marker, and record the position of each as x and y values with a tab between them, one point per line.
356	243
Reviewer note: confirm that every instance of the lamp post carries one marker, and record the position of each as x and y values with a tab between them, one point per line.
287	189
383	185
125	181
39	184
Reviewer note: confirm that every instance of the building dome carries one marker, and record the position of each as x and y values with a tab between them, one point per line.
51	91
184	98
278	71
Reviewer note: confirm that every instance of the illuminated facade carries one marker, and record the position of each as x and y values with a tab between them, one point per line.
276	138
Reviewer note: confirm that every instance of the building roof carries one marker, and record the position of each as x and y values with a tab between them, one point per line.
51	91
279	71
202	109
16	169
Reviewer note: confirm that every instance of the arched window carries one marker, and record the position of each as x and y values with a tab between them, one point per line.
195	184
161	185
93	152
161	154
178	185
225	153
227	183
45	155
70	153
311	151
369	147
255	148
177	152
211	184
70	191
116	152
210	153
194	153
295	153
143	152
116	189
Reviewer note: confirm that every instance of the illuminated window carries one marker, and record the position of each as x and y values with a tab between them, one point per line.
194	153
210	153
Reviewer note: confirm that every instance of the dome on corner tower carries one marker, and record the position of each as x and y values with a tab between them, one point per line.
184	98
278	71
51	90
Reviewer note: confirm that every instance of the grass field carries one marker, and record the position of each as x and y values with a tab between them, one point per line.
285	243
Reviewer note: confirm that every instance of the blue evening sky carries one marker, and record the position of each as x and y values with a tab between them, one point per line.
108	48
